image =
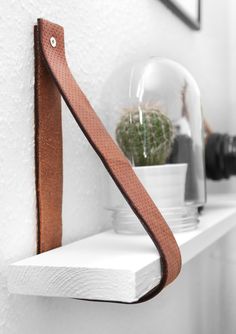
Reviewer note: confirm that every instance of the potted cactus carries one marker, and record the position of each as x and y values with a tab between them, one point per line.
146	135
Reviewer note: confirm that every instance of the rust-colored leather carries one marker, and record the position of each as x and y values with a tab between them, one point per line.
48	155
113	159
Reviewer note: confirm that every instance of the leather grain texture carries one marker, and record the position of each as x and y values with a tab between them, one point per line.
113	159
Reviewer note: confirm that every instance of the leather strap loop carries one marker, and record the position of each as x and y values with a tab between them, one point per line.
113	159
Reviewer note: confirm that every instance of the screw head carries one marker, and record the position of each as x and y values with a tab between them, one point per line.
53	41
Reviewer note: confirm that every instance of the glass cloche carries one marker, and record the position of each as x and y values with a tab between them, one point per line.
157	122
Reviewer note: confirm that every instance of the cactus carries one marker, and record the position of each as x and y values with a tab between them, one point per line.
145	136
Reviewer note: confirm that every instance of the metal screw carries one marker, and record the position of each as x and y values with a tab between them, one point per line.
53	41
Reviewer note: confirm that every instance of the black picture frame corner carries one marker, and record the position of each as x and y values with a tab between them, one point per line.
179	12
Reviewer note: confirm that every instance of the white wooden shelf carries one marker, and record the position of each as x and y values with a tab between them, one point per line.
115	267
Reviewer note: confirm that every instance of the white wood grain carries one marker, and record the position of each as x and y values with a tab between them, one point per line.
114	267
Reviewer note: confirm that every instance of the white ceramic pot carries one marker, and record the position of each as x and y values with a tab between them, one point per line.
165	183
166	186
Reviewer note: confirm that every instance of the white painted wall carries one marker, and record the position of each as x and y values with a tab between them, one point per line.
228	255
100	35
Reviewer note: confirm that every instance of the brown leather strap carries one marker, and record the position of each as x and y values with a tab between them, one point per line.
113	159
48	155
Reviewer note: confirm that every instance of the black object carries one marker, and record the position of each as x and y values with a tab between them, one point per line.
220	155
182	152
179	11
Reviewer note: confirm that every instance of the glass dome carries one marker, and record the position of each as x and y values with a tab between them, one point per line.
159	127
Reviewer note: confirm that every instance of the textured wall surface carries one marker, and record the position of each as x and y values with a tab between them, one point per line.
100	36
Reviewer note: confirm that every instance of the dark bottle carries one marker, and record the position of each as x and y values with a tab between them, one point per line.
220	156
